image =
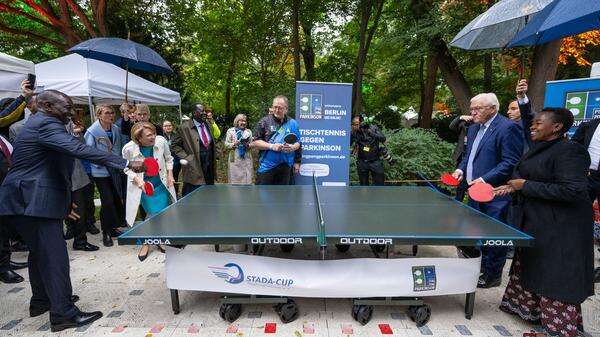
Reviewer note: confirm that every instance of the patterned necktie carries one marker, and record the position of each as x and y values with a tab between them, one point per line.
5	151
203	136
473	152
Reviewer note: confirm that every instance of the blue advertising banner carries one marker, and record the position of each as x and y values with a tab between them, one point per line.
323	111
581	96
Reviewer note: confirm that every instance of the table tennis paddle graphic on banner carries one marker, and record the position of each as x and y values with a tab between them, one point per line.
448	180
151	166
481	192
148	188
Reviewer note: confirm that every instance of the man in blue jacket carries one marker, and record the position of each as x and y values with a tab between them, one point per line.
494	147
36	198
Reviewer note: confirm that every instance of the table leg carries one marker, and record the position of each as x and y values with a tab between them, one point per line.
175	301
469	305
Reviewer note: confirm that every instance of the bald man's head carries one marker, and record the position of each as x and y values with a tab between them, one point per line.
56	104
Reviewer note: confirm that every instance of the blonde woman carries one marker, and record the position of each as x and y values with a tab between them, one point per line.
240	159
146	144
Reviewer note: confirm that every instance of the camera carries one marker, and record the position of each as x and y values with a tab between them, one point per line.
385	155
245	141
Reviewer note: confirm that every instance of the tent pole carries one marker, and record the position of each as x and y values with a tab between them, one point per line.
91	106
126	80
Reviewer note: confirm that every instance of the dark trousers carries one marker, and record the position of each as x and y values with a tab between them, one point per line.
208	171
279	175
111	212
189	188
374	168
48	263
91	207
79	227
5	234
493	258
176	171
594	185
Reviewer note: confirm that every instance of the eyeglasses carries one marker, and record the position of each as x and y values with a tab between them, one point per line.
480	108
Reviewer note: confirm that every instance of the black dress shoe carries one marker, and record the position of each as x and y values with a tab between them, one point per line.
36	310
107	240
92	229
115	233
19	247
10	276
86	247
597	275
18	265
80	319
488	282
68	234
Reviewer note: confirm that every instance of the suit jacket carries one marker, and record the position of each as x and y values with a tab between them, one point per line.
555	209
3	166
39	181
585	132
461	127
186	145
498	152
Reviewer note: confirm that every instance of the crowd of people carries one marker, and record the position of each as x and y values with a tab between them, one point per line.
51	164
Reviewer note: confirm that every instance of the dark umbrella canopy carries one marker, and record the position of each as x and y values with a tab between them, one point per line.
123	53
559	19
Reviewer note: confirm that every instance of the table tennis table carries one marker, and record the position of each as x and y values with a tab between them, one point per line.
326	217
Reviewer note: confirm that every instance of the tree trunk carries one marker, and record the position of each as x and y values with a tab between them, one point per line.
296	38
428	96
487	73
452	75
228	85
545	63
364	43
308	52
421	86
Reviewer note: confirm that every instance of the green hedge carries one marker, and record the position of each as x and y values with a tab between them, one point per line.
415	150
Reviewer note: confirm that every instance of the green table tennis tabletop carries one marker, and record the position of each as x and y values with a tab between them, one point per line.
229	214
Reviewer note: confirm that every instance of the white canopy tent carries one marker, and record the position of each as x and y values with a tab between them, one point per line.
12	71
89	81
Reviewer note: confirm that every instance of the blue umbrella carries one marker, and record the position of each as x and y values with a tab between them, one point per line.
559	19
123	53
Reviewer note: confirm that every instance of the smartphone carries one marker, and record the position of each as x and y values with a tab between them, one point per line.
31	79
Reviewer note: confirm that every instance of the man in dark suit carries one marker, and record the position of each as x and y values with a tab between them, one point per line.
36	198
494	147
194	144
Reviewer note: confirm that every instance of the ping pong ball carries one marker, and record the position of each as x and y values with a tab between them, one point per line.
304	108
418	272
305	99
419	281
575	100
575	111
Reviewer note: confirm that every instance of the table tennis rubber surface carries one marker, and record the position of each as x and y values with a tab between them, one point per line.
229	214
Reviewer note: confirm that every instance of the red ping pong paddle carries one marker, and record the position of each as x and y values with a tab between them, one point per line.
449	180
151	166
148	188
481	192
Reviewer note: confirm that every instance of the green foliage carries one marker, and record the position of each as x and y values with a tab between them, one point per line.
415	151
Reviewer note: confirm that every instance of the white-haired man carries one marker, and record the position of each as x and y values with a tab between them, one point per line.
494	147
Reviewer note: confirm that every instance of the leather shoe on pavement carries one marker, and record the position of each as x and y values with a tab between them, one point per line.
107	240
10	276
36	310
86	247
80	319
18	265
487	282
597	275
92	229
115	233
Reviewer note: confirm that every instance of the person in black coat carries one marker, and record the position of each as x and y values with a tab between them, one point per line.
36	197
460	125
550	280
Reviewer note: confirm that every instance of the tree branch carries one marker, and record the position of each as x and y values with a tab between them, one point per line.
20	12
48	15
84	19
99	10
35	36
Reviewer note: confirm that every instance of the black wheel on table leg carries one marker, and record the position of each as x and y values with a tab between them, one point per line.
287	312
364	314
230	312
354	311
342	248
412	312
422	315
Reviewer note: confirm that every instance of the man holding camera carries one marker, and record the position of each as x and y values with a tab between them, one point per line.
367	141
